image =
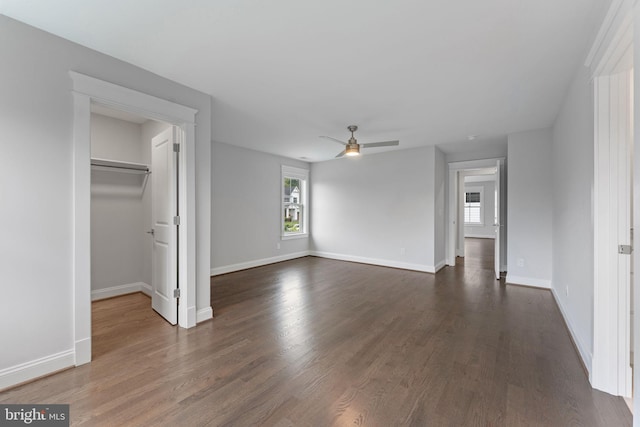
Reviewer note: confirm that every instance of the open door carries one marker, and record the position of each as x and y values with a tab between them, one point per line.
496	222
164	163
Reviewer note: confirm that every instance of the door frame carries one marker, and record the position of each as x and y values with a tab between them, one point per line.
87	90
610	54
455	226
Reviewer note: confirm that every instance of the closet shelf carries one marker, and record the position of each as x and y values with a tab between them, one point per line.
116	165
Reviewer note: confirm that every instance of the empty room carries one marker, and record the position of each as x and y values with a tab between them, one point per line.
335	213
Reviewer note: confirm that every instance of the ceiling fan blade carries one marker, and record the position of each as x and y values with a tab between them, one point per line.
333	139
341	154
381	144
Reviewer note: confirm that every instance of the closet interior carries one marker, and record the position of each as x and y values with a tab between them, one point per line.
121	243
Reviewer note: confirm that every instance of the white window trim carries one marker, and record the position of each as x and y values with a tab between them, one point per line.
303	175
475	190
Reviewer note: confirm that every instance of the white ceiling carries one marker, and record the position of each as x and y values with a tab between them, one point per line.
284	72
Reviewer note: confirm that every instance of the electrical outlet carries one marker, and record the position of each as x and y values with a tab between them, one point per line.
277	245
520	262
402	251
567	291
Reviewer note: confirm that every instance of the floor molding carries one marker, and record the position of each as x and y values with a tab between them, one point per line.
28	371
528	281
377	261
257	263
584	356
204	314
480	236
115	291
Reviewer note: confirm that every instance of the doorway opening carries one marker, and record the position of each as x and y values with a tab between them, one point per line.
127	254
87	91
477	210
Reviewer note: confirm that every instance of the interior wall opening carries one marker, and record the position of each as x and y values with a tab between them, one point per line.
122	244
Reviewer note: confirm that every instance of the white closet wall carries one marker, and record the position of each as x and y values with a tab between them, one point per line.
120	210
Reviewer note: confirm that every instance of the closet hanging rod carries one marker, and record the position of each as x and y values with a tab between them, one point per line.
115	164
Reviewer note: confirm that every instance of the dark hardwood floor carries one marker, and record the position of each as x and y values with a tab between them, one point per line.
317	342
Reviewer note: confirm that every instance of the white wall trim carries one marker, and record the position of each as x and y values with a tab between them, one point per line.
341	257
475	164
146	289
115	291
440	265
125	99
83	351
86	90
480	236
584	354
614	34
204	314
36	368
381	262
528	281
455	217
257	263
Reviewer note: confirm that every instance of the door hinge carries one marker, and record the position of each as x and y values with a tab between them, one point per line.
176	220
176	293
176	147
625	249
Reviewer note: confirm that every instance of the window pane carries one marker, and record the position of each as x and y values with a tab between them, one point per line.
292	218
472	197
292	205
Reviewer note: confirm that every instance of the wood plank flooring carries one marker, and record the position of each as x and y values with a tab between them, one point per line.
317	342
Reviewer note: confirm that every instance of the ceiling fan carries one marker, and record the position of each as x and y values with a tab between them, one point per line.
352	148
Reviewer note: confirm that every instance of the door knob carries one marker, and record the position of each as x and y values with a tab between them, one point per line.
151	232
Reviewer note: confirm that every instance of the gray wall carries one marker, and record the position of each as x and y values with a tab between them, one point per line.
487	230
530	208
36	118
118	241
378	208
573	171
245	221
440	207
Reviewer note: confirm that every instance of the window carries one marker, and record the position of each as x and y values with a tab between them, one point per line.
294	200
473	212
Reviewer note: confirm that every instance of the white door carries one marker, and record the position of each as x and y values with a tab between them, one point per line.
496	223
165	230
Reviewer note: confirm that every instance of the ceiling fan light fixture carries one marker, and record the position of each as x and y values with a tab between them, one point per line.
352	150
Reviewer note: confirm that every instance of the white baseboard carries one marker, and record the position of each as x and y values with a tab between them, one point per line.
83	351
36	368
584	354
528	281
204	314
440	265
257	263
480	236
115	291
145	289
375	261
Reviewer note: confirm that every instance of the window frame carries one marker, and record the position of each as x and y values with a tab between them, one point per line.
481	207
303	176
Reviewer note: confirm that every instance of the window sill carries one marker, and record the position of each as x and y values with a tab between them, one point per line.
294	236
473	224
